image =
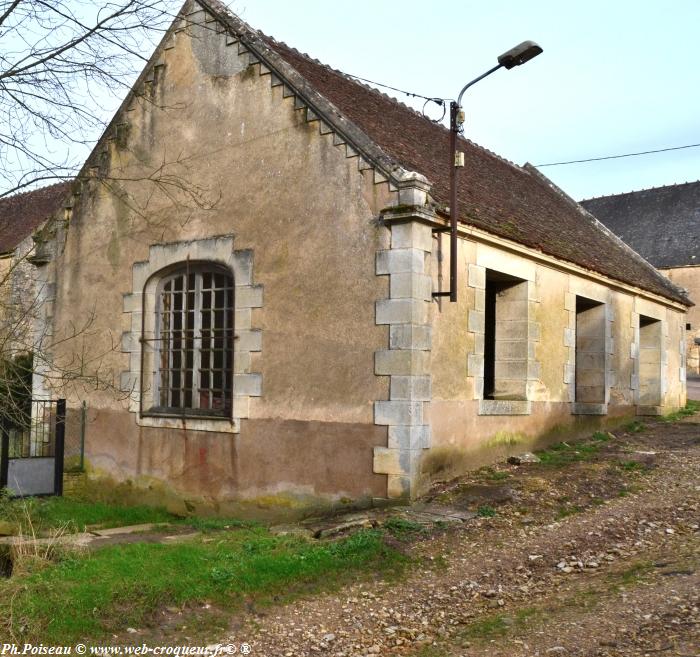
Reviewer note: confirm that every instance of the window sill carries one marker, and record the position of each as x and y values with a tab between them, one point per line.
586	408
504	407
189	414
215	424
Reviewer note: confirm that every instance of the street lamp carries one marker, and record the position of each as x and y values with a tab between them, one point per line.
522	53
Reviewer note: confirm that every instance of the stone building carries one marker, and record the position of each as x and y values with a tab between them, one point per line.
662	225
20	296
256	240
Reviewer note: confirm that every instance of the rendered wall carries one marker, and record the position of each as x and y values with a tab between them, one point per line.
468	430
246	164
689	278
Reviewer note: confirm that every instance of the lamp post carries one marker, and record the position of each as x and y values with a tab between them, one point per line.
516	56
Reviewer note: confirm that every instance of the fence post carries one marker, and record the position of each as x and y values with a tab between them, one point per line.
83	422
59	446
4	451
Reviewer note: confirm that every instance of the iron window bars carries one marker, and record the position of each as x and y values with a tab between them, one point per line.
194	342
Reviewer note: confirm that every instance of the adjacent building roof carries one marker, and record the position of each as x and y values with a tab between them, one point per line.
498	196
661	224
22	213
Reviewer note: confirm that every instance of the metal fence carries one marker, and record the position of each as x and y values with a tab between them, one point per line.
31	460
39	445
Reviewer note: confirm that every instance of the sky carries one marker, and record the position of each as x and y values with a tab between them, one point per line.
615	77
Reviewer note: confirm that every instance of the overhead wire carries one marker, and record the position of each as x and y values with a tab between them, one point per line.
441	102
616	157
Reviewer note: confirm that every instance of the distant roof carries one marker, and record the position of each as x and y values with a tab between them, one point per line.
495	195
661	224
21	214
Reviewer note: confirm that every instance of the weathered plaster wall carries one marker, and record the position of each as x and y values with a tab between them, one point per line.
689	278
19	290
307	213
464	433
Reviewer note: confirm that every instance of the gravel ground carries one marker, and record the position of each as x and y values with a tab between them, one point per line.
595	557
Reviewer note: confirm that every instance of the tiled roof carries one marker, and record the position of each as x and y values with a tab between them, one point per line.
517	203
662	224
514	202
22	213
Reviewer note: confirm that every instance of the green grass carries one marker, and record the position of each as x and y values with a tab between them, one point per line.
492	474
631	576
103	592
568	510
565	453
486	511
634	427
601	436
691	408
497	625
75	515
403	528
632	466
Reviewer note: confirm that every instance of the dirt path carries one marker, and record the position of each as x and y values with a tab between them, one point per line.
594	553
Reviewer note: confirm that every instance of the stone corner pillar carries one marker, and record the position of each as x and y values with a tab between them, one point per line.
407	359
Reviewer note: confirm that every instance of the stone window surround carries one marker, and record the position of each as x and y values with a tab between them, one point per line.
652	311
603	297
139	304
476	279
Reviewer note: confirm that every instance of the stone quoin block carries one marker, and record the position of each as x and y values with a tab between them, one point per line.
416	388
411	285
401	311
409	437
398	412
397	261
410	336
401	362
412	235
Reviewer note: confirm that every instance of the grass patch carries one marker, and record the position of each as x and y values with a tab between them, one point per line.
75	515
487	628
565	453
93	595
630	576
403	528
497	625
691	408
568	510
601	436
486	511
634	427
632	466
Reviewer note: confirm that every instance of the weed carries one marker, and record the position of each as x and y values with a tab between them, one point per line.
563	453
487	628
492	474
635	427
568	510
632	466
400	527
601	436
218	524
691	407
631	575
486	511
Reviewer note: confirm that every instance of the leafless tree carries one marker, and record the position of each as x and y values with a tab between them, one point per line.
63	66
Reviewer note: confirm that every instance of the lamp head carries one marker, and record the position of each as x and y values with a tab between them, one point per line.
522	53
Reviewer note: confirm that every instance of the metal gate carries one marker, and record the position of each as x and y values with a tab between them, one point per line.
31	462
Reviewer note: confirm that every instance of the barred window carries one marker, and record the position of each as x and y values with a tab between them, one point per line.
194	338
